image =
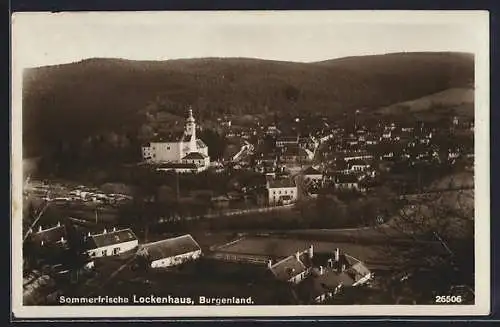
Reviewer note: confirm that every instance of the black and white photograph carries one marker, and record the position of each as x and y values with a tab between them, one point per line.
259	163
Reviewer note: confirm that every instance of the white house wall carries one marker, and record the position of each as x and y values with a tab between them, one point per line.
123	247
275	197
363	280
165	151
176	260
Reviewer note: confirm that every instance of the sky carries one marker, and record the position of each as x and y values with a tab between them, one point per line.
41	39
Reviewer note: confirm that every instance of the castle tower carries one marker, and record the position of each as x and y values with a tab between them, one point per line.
190	131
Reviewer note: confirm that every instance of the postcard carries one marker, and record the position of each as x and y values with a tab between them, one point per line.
250	164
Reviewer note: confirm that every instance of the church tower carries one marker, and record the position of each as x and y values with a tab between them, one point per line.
190	132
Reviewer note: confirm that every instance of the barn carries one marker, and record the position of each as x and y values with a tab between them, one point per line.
111	243
171	252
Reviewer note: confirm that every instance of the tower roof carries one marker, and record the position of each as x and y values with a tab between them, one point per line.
190	117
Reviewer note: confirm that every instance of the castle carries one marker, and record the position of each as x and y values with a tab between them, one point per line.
183	151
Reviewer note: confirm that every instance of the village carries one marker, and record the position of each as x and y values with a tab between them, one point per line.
270	170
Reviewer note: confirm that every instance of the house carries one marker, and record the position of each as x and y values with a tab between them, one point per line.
346	182
358	165
111	243
308	142
173	148
170	252
371	140
325	138
245	148
296	154
312	174
49	243
281	191
284	141
226	123
357	156
351	141
220	202
294	268
387	134
340	272
272	130
323	284
199	159
182	168
52	236
266	167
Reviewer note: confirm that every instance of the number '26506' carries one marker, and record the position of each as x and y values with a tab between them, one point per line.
448	299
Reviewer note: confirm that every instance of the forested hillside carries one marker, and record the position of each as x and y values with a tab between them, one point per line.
74	105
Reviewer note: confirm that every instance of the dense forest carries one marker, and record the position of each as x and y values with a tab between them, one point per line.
97	107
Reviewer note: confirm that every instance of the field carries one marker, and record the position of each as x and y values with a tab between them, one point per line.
460	99
373	255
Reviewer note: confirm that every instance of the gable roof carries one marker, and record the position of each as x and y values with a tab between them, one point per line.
346	178
170	247
311	171
281	183
294	151
194	155
178	165
287	268
358	162
200	143
49	236
168	137
328	281
360	269
185	137
357	267
111	238
288	139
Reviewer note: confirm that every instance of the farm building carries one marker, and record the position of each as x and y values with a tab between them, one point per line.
55	236
170	252
294	268
312	174
326	281
50	244
281	191
111	243
260	249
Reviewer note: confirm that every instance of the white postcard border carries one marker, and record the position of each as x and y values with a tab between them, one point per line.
480	20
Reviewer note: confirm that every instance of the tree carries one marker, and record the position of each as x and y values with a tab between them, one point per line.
215	142
439	228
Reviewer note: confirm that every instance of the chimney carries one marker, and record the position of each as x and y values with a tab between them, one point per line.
114	229
321	270
330	263
88	234
311	251
39	228
337	255
269	263
58	224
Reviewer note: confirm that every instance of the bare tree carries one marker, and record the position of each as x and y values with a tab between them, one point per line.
435	237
